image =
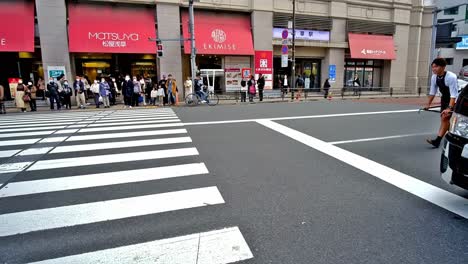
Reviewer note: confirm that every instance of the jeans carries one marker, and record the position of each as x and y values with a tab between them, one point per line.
128	100
202	95
243	96
33	105
135	98
260	94
54	98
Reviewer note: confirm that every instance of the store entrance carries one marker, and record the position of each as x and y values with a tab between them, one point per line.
309	69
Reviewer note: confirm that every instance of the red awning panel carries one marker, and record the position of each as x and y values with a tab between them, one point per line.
110	29
219	34
17	25
377	47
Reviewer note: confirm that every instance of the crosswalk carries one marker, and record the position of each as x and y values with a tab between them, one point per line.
77	175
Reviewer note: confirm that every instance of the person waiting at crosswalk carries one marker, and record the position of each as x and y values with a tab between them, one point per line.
95	91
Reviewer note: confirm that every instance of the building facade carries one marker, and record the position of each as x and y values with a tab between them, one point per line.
456	55
386	43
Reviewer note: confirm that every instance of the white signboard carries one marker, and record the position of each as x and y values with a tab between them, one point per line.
303	34
284	60
56	71
233	79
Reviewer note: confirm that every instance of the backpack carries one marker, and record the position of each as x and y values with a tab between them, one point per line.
300	81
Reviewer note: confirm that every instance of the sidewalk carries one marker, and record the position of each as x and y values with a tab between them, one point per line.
377	98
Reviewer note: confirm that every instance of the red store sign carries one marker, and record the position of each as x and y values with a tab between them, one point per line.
110	29
264	62
220	34
17	26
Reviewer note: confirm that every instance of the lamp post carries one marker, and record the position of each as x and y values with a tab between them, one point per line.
293	60
193	52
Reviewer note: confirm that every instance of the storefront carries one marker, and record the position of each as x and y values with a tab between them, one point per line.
308	57
99	47
366	59
223	42
18	57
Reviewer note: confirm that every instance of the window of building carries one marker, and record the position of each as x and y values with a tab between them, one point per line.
465	62
451	11
368	71
449	61
454	27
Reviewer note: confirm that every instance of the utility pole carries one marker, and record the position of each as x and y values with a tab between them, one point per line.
293	72
193	52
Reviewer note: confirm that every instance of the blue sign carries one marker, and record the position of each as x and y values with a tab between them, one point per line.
463	45
332	73
284	49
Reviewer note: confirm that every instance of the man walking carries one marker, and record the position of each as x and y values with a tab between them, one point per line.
446	82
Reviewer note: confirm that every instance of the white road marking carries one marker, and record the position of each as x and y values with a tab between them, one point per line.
81	214
430	193
8	153
34	151
132	127
101	179
102	121
127	135
53	140
10	130
27	134
58	123
123	144
112	158
19	142
14	167
135	122
66	131
377	138
220	247
296	117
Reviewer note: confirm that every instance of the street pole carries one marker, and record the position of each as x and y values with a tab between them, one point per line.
193	53
293	73
433	42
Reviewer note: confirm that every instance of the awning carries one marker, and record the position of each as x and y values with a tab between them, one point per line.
219	33
17	25
110	29
377	47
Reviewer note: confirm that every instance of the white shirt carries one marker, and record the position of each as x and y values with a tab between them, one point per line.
450	81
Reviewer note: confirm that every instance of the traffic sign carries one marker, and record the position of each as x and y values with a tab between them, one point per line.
284	49
285	34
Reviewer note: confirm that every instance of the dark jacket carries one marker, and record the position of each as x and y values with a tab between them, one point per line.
52	88
261	83
127	88
198	85
326	85
78	86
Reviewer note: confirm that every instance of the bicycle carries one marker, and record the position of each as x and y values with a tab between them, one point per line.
194	99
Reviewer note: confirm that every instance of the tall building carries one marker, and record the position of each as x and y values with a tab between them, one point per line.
386	43
455	54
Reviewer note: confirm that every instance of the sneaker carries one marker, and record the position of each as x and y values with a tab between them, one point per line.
433	142
203	102
130	107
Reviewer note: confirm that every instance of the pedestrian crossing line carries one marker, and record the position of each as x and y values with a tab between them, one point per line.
18	142
53	140
127	135
37	120
34	151
24	129
112	158
66	131
123	144
88	213
14	167
26	134
101	179
8	153
41	124
128	119
136	115
135	122
219	246
130	127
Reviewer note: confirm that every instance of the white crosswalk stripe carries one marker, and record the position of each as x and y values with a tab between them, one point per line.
65	154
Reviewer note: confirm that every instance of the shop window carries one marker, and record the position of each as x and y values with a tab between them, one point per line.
449	61
465	62
454	27
451	11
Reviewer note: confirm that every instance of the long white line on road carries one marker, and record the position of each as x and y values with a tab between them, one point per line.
220	247
101	179
297	117
41	124
430	193
127	135
14	167
23	129
136	122
8	153
120	145
72	215
26	134
131	127
53	140
112	158
19	142
377	138
34	151
133	118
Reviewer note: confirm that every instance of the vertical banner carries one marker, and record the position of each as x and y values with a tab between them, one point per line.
332	73
264	65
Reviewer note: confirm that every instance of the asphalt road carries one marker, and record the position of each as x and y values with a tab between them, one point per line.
248	188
